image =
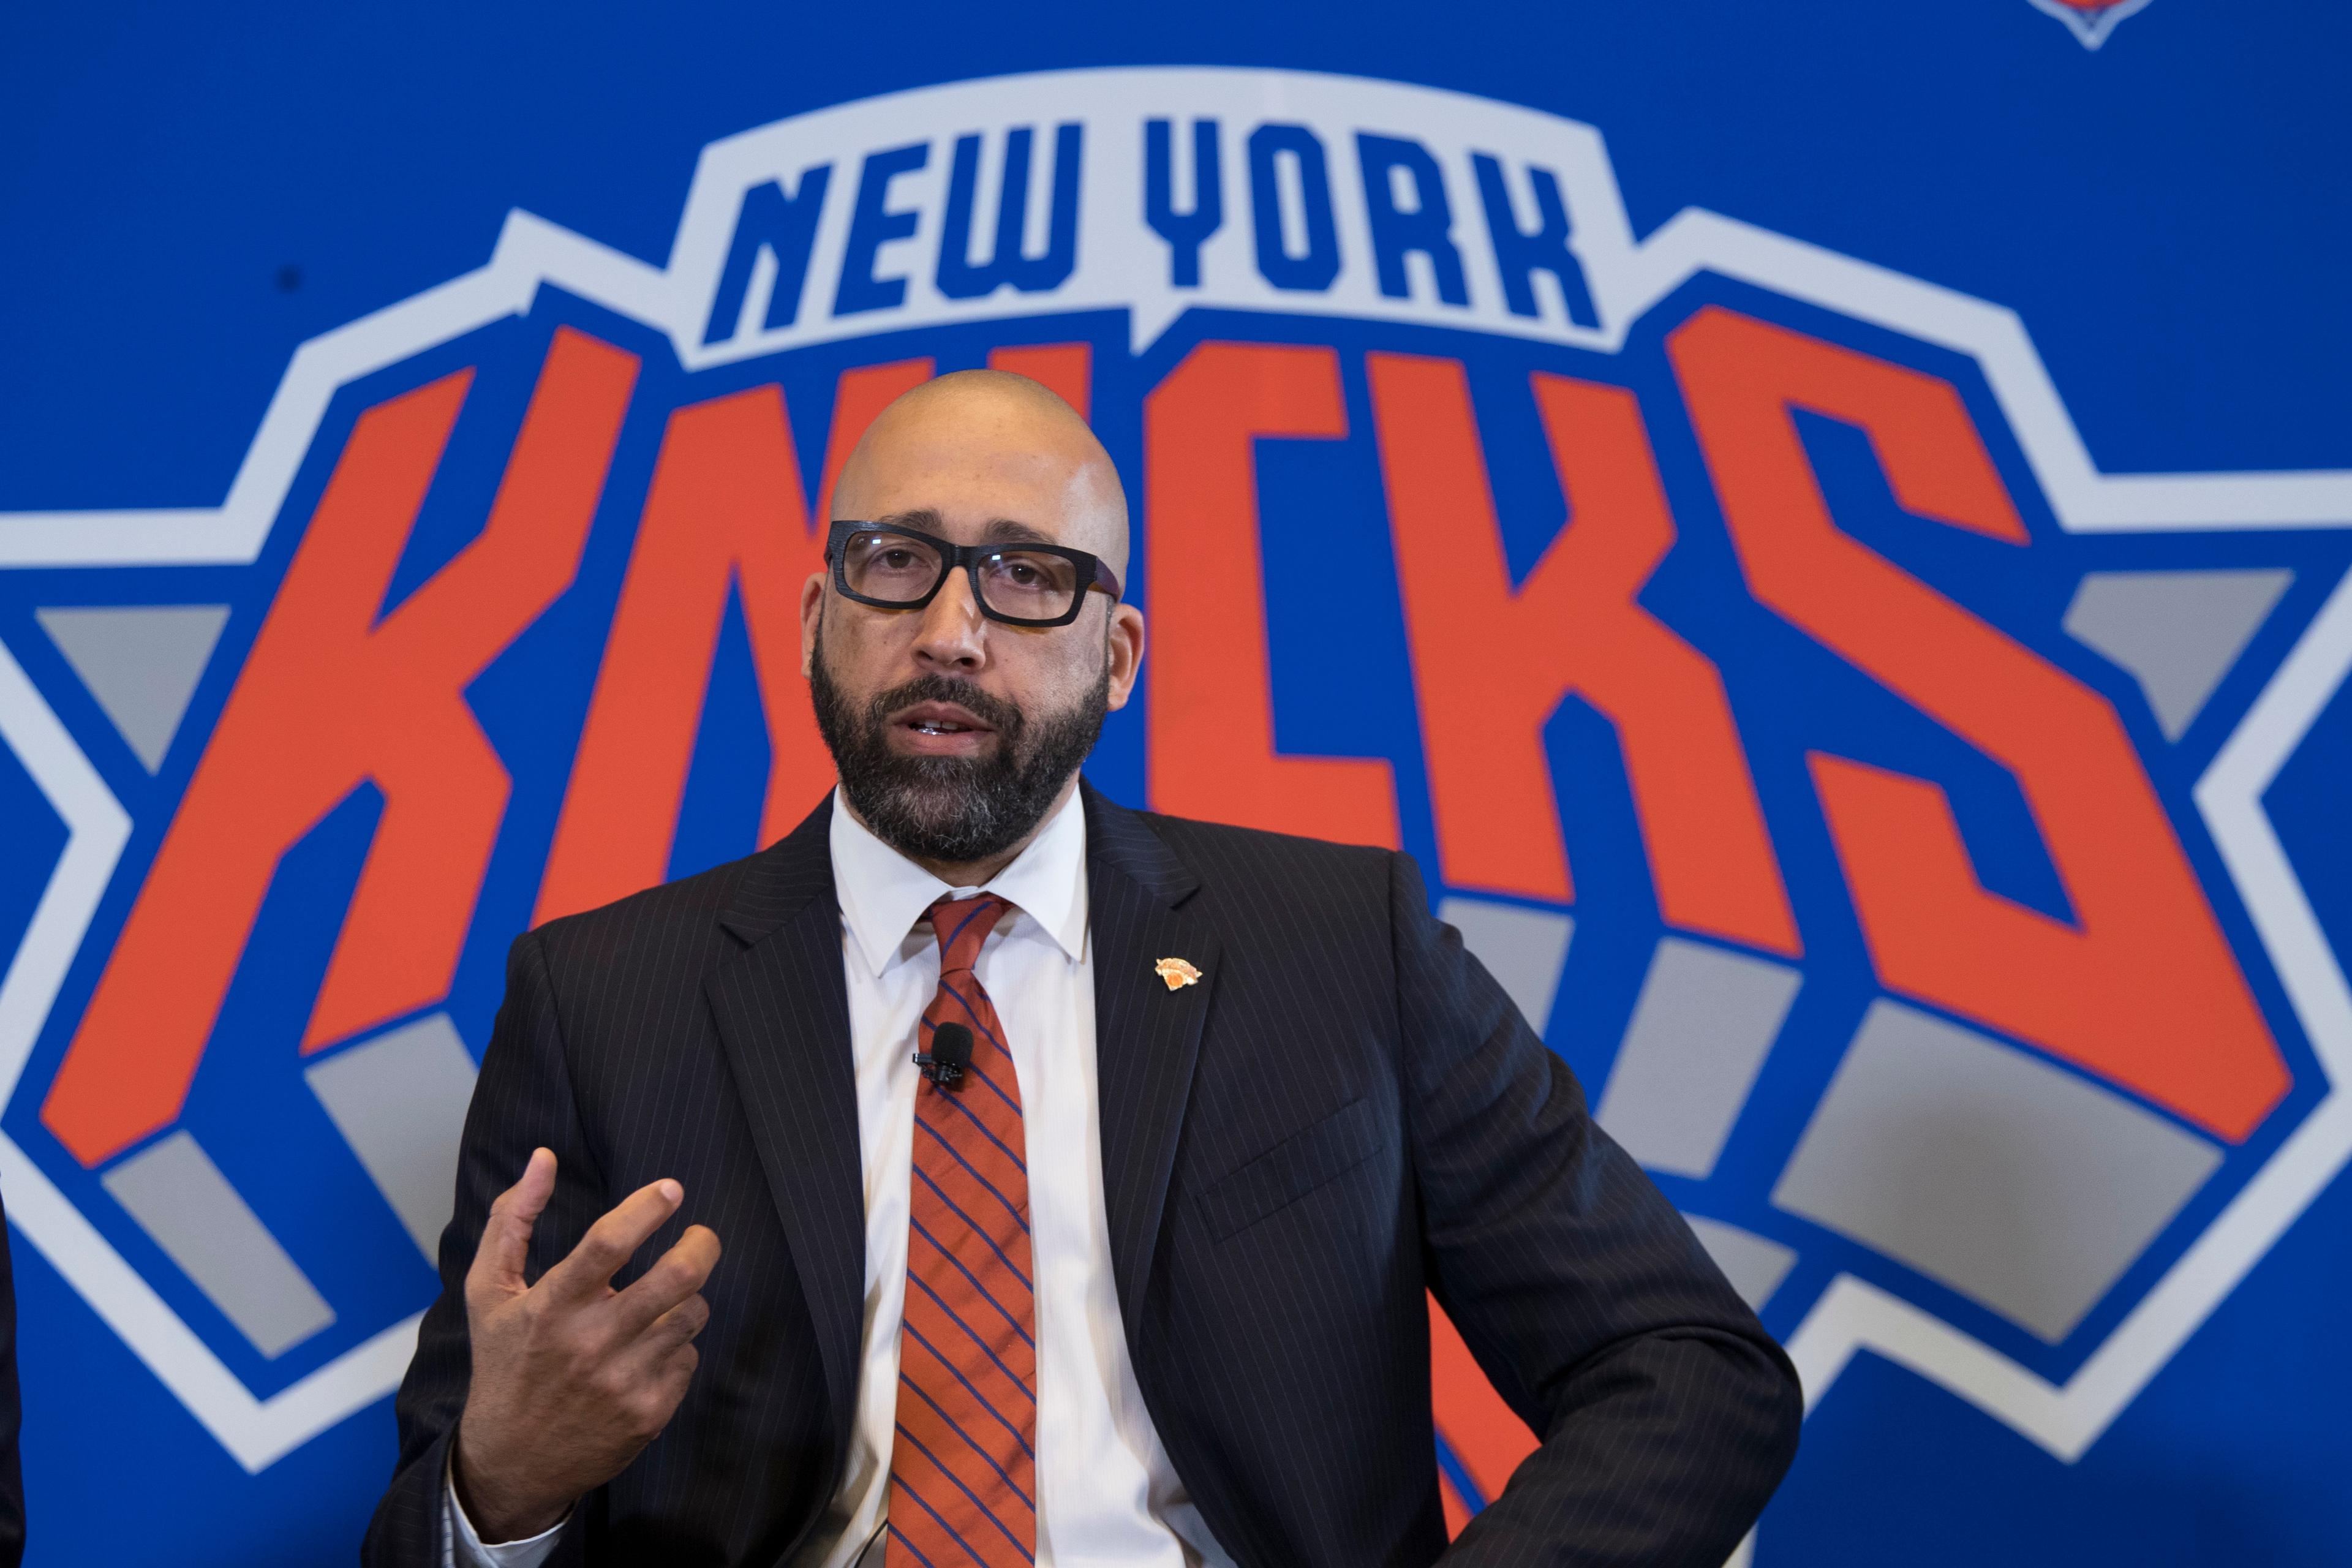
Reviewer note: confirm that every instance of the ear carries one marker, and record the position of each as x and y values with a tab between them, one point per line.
812	619
1126	652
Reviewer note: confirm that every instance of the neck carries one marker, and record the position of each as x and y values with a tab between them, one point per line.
975	873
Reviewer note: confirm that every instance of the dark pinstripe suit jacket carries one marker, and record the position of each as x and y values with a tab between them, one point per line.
1344	1112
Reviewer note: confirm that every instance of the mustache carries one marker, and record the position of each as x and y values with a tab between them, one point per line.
953	809
995	713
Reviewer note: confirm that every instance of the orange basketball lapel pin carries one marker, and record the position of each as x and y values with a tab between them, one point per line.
1177	971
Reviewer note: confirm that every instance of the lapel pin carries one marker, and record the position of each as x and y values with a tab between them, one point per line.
1177	971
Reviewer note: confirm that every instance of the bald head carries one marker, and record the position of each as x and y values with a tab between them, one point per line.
957	731
991	447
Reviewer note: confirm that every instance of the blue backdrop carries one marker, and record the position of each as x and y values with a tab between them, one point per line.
2106	262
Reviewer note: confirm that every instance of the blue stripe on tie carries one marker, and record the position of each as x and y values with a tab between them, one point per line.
1010	1206
975	1069
898	1483
979	908
981	1399
989	1410
911	1546
1011	1104
940	1411
967	1492
985	1294
973	1334
957	1209
991	1137
973	1013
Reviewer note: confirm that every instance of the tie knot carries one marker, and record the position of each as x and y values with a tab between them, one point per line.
963	924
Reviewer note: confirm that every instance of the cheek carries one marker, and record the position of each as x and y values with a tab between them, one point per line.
1049	679
863	649
859	663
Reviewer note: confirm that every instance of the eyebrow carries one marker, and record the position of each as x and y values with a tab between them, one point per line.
1007	530
923	518
1001	530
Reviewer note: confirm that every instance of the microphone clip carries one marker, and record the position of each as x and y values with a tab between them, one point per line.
949	1054
947	1075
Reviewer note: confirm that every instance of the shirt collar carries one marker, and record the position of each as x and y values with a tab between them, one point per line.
883	894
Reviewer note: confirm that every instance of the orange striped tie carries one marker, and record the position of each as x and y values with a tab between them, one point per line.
963	1466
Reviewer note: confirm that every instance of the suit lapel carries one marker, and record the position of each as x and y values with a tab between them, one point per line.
782	1012
1147	1037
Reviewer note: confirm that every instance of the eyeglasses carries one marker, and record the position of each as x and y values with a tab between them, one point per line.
898	568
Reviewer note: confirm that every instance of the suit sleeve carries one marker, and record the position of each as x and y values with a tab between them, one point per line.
522	1100
1667	1416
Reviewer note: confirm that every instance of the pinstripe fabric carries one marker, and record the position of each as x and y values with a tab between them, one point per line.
963	1481
1344	1114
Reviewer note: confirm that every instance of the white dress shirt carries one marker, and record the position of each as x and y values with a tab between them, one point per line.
1106	1491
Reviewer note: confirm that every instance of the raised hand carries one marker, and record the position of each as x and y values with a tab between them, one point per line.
571	1378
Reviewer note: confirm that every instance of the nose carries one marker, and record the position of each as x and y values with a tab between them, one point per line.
952	633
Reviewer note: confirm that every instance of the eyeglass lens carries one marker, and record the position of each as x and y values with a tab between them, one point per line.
1029	584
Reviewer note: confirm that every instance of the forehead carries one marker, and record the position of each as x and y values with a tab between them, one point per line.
994	531
972	470
962	488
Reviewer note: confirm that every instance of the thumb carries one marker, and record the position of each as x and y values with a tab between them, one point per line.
506	1239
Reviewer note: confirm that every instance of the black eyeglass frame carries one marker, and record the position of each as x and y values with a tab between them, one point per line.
1092	570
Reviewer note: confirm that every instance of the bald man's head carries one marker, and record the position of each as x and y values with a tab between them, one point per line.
956	734
988	440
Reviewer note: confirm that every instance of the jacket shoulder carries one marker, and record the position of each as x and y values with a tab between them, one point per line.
625	925
1222	854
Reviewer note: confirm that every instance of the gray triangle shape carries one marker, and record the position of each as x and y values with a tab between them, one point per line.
2178	632
141	661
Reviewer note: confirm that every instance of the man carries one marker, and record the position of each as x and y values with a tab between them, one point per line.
1081	1173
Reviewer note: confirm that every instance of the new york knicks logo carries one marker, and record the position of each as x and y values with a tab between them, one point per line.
1902	825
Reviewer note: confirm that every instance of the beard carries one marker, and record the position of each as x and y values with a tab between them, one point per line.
953	810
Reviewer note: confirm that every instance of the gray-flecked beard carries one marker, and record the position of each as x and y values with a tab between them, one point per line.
954	810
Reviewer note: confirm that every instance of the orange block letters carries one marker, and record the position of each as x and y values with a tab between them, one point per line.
333	697
725	511
1212	701
2142	989
1492	662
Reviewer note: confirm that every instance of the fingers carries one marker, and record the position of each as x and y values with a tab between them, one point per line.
661	1364
506	1236
610	1242
669	1284
674	1330
682	1325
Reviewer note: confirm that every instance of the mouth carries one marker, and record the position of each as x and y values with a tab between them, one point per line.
940	729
